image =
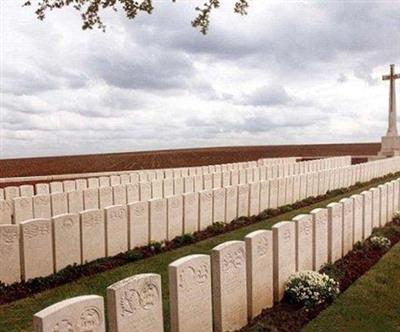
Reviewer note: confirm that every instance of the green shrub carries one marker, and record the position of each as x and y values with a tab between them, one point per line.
216	228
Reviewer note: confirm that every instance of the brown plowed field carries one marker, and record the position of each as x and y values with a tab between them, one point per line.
173	158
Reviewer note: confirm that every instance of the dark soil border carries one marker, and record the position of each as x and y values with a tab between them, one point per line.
19	290
285	317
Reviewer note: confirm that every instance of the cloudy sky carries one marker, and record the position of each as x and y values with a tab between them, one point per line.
289	72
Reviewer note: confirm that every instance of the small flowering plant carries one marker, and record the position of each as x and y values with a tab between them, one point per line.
380	242
310	289
396	217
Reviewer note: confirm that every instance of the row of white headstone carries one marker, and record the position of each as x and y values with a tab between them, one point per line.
39	247
47	205
239	280
282	166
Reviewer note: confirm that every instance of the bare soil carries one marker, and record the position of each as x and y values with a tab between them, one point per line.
173	158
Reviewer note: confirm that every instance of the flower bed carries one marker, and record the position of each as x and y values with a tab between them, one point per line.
292	317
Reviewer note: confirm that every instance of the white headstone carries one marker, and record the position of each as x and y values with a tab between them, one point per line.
190	213
198	183
174	216
190	294
376	197
135	304
229	286
105	197
10	270
264	195
91	198
41	206
188	184
243	200
59	204
116	222
125	179
138	224
367	213
11	192
82	313
27	190
335	229
289	190
81	184
67	243
93	183
92	235
145	191
75	201
284	249
347	230
178	186
23	209
226	179
219	205
37	248
217	180
158	219
234	177
115	180
69	186
390	203
231	203
304	242
281	191
207	181
383	205
205	208
42	188
104	181
260	293
254	198
357	218
320	222
132	192
119	194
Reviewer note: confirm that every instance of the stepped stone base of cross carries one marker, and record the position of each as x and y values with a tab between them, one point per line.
390	146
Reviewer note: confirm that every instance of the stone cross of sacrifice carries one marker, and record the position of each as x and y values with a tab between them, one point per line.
392	130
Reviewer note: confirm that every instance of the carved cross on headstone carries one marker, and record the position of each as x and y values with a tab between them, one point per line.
392	130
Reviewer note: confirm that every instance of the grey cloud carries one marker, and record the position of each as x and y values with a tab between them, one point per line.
152	70
364	72
269	95
342	78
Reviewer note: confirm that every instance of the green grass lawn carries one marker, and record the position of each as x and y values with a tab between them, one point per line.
17	316
371	304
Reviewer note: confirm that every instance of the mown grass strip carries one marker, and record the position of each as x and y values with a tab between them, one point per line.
370	304
17	316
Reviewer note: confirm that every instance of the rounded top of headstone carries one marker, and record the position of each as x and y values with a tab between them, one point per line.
333	204
63	304
122	283
282	224
317	210
257	233
301	217
227	244
188	258
25	222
